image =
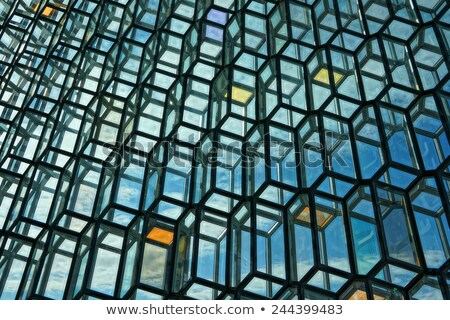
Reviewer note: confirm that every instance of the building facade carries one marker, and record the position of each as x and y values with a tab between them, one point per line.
247	149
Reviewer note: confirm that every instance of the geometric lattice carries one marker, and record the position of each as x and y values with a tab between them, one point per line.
248	149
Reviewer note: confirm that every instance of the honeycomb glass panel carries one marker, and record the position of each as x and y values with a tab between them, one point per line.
205	149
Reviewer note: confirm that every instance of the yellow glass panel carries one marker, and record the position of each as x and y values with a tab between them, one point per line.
182	244
358	295
47	11
322	76
161	236
322	217
240	95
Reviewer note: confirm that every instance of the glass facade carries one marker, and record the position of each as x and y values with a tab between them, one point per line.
221	149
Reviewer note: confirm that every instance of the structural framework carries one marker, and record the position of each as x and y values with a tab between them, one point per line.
219	149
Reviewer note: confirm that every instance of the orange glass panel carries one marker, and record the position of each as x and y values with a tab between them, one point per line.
47	11
322	217
358	295
161	236
304	215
